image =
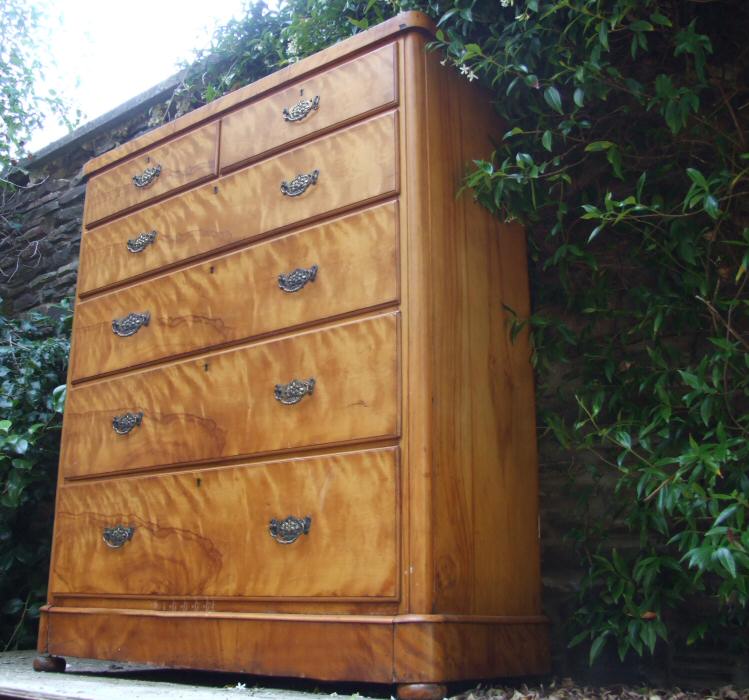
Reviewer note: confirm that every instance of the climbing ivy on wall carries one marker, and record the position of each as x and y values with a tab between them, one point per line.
33	359
623	149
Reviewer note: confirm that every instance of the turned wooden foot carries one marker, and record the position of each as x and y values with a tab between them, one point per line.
49	664
422	691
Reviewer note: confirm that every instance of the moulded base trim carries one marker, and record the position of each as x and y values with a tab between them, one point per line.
365	648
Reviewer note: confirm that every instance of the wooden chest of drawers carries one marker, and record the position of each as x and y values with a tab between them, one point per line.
298	438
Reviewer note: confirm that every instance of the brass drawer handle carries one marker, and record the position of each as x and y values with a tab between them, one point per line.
301	109
147	177
294	391
123	424
296	280
299	184
117	536
139	244
130	324
289	530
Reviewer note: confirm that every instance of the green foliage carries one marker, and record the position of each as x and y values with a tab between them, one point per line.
33	359
22	107
264	40
625	154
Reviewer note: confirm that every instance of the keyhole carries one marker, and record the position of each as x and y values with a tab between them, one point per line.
198	482
148	159
205	367
212	269
215	189
301	92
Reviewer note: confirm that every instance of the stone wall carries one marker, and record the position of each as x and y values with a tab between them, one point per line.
40	242
39	261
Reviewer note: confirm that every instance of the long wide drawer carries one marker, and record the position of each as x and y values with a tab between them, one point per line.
185	161
346	168
211	533
342	266
249	400
319	102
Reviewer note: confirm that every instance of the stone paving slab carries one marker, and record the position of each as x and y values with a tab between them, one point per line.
86	679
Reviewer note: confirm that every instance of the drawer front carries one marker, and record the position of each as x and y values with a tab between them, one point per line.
355	165
173	166
207	533
224	405
342	266
320	102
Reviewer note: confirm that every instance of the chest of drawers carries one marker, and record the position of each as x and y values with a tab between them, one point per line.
298	438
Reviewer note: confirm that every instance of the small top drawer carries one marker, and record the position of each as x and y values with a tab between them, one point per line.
330	99
173	166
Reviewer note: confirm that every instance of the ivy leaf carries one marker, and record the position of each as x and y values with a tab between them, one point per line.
599	146
553	99
711	206
597	647
724	556
546	140
578	97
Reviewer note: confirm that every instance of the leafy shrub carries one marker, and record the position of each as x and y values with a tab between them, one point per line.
33	360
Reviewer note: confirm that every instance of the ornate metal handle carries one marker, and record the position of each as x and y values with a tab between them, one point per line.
130	324
289	530
299	184
294	281
294	391
147	177
139	244
123	424
116	536
301	109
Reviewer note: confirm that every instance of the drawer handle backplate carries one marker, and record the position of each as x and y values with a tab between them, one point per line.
123	424
296	280
130	324
289	530
294	391
301	109
117	536
139	244
299	184
147	177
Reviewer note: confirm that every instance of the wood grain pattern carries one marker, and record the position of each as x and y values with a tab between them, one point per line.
404	23
451	396
197	307
222	405
429	651
486	554
186	161
372	648
356	165
348	91
342	648
205	533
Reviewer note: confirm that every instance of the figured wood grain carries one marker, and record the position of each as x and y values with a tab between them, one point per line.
403	23
418	343
197	307
348	91
356	165
205	533
222	405
186	161
429	651
332	648
486	554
